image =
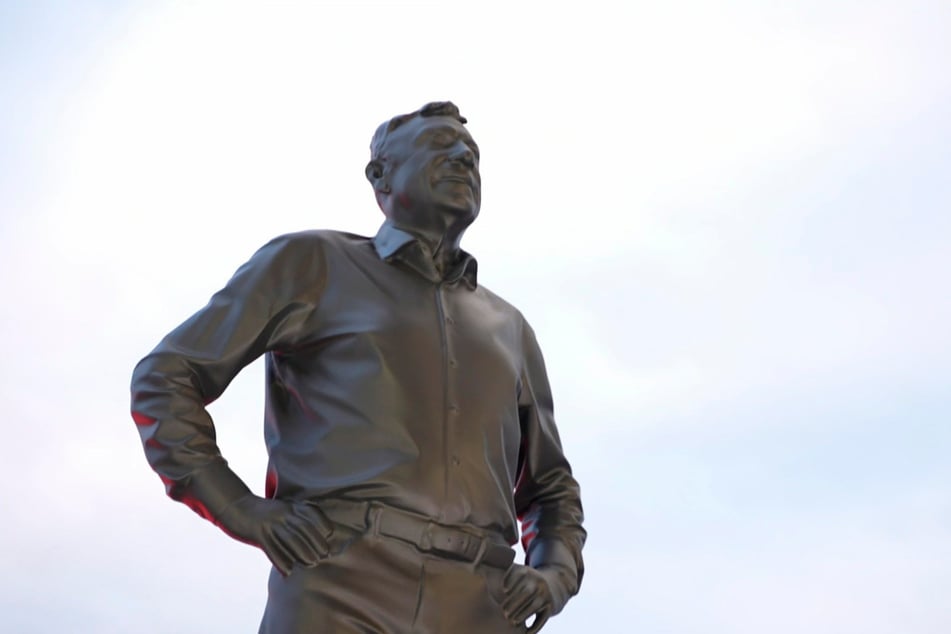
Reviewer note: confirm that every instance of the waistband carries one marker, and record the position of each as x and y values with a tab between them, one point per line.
453	542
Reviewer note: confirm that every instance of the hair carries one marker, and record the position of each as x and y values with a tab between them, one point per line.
432	109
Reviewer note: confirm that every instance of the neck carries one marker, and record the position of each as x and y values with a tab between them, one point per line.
442	238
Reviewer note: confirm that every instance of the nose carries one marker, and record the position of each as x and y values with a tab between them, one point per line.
463	154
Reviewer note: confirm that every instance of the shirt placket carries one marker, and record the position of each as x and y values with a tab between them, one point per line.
451	460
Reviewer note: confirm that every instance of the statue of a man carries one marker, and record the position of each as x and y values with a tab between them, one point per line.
408	422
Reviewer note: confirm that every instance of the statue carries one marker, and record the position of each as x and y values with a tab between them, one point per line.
408	416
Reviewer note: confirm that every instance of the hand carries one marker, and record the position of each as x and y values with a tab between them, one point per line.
531	591
289	533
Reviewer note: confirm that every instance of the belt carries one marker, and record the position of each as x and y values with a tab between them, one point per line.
427	536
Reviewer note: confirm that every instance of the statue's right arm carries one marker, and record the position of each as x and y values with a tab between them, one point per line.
263	307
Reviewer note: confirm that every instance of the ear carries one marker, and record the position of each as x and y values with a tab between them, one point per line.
374	172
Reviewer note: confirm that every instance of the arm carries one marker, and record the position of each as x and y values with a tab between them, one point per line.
263	307
547	500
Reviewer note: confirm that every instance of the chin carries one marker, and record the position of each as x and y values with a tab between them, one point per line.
462	206
467	213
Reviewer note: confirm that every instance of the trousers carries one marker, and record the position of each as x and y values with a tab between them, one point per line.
374	584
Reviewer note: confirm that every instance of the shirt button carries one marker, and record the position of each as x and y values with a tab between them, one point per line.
450	320
455	461
453	408
452	363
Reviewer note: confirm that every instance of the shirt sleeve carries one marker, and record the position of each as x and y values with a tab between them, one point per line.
547	496
263	307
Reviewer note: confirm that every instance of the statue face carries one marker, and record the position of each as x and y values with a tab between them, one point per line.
432	167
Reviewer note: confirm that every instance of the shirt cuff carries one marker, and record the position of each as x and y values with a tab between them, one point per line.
212	489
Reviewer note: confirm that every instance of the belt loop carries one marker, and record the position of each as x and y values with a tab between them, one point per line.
426	539
374	510
483	549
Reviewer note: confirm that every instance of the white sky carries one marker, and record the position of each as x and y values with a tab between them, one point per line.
728	222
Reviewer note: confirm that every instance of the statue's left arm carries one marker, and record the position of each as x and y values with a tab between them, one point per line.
547	500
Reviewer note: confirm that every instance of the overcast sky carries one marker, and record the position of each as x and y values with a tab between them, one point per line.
729	223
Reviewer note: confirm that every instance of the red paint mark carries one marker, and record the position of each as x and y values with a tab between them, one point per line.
528	536
190	502
198	507
270	483
141	419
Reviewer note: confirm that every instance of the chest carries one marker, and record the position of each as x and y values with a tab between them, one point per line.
395	321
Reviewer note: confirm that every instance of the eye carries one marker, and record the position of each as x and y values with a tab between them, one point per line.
442	139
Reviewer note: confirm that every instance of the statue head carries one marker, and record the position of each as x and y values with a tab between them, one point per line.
424	168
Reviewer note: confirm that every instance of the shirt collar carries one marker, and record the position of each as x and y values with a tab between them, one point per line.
392	243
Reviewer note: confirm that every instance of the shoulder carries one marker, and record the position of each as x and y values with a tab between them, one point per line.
498	303
307	247
302	241
300	259
520	328
507	311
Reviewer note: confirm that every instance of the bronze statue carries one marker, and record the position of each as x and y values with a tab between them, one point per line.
408	422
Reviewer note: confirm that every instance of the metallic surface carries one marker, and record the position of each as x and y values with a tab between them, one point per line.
393	378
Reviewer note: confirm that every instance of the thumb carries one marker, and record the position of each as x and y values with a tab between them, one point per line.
541	618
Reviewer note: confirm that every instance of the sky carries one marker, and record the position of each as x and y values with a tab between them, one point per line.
729	224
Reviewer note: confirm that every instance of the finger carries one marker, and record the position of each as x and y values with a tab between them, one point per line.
280	562
313	538
520	607
514	598
277	552
534	606
540	619
512	577
298	543
310	534
315	517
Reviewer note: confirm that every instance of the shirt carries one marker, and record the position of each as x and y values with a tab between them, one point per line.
385	381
